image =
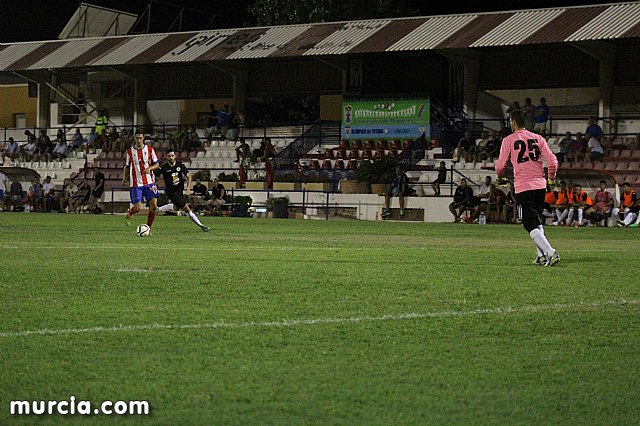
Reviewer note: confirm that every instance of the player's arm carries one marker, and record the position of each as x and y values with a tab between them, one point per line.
154	166
125	174
552	160
187	189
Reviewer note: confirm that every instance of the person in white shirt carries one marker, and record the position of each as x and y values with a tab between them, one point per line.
47	194
594	149
61	150
12	150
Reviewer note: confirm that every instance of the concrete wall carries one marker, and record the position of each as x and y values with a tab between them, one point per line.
14	99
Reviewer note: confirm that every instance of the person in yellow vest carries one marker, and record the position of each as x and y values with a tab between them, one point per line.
628	206
102	121
581	201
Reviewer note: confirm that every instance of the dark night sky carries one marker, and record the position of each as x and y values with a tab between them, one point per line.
26	20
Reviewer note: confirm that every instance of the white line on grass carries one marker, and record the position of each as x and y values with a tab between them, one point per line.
300	322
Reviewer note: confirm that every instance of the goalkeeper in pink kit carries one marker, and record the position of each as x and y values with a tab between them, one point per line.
526	151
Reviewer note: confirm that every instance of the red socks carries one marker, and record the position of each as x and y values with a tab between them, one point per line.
151	218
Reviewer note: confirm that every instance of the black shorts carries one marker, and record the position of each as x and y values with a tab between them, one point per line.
97	193
176	198
531	203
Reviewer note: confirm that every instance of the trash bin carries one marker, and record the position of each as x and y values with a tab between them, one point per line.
280	208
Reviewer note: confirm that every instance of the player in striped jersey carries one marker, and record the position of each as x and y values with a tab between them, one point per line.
142	182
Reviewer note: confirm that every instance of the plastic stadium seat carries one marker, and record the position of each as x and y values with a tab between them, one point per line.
625	153
339	164
352	165
634	166
328	153
370	144
622	166
615	153
382	144
355	144
326	165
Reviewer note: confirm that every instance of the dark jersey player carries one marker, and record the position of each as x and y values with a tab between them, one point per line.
175	174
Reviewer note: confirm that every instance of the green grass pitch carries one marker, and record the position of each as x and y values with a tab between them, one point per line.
266	321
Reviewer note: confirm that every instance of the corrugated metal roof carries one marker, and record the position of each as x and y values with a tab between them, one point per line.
307	40
612	23
161	49
517	28
556	25
14	52
347	37
269	42
381	40
431	33
563	25
196	45
231	44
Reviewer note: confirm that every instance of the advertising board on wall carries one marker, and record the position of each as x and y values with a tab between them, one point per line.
380	118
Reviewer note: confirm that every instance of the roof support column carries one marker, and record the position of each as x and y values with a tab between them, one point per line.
470	60
605	53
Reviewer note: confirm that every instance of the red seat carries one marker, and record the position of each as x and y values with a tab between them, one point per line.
354	154
344	144
352	165
382	144
315	164
355	144
328	153
622	166
326	165
395	144
393	152
369	144
341	154
406	144
367	155
339	164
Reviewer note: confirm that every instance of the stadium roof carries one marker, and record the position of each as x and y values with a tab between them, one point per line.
528	27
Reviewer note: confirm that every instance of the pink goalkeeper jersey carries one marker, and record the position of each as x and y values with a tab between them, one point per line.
526	151
138	160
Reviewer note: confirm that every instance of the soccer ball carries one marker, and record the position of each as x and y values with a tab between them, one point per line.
143	230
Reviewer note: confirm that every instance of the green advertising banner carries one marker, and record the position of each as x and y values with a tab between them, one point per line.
401	117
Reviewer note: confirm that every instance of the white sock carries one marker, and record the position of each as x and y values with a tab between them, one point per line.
570	217
166	208
615	213
194	218
580	212
563	215
537	235
638	220
629	218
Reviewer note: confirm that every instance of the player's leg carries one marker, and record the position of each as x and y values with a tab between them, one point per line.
530	204
135	196
401	203
153	205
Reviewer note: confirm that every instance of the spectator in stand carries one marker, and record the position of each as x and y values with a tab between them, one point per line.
76	141
113	139
91	141
440	180
565	147
47	195
593	129
503	132
12	151
479	152
4	190
102	121
235	121
212	122
628	206
594	149
509	211
398	186
193	139
45	147
124	141
529	114
466	146
81	198
102	141
67	200
461	198
542	115
576	151
217	197
98	190
269	150
482	200
602	205
60	150
34	195
29	150
497	200
199	194
514	107
15	199
223	121
243	151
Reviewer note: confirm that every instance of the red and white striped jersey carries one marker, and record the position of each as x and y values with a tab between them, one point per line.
138	160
